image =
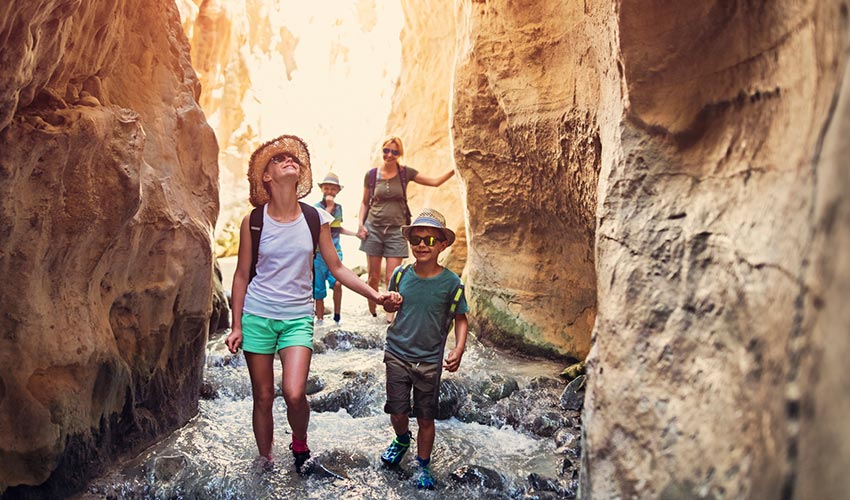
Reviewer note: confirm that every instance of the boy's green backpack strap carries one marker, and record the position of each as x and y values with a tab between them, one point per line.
396	277
454	300
458	293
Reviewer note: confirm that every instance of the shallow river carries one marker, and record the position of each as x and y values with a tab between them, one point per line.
213	455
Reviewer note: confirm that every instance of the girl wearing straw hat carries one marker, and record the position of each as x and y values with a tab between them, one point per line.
273	310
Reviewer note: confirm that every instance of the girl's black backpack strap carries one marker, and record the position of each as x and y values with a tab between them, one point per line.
312	216
255	224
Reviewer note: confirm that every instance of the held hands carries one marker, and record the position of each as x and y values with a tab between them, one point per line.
234	340
362	232
453	360
390	300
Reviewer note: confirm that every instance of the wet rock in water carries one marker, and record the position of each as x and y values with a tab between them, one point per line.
343	340
547	424
499	387
169	468
356	396
452	396
573	396
334	464
315	384
478	476
573	371
220	310
218	354
532	409
566	439
208	391
545	487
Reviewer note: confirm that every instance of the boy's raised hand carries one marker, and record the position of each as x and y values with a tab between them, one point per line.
453	360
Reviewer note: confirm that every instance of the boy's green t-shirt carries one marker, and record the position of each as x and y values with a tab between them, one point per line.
416	334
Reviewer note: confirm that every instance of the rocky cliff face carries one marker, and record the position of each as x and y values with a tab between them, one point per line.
108	195
527	144
704	143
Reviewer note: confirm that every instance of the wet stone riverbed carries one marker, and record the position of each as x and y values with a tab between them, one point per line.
508	428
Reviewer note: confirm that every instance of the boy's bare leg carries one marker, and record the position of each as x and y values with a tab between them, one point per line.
425	437
296	366
261	371
320	309
401	423
392	263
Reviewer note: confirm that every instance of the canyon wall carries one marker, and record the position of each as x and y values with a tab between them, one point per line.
420	114
714	371
108	196
527	144
683	163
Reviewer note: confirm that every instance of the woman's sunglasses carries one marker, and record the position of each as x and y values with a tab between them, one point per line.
429	240
395	152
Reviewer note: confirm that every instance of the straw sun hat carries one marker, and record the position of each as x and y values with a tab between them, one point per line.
429	217
290	144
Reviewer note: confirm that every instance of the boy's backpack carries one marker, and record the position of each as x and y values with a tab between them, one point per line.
372	179
454	298
255	224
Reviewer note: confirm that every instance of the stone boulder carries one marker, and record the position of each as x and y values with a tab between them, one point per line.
108	196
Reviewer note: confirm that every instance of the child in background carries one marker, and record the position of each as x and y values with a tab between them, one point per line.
330	187
416	339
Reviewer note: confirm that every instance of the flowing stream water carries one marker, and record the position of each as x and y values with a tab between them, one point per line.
213	456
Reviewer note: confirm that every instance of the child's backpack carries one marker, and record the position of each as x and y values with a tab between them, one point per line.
255	224
454	298
372	179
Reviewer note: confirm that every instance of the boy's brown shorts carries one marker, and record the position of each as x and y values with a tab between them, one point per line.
423	378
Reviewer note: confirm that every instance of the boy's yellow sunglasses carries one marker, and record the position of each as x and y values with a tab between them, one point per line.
429	240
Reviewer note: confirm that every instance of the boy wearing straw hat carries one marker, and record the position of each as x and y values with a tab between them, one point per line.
330	187
416	339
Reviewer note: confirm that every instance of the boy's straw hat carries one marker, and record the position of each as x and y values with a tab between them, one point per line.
284	144
331	178
429	217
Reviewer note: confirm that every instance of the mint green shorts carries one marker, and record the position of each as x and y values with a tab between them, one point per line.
267	336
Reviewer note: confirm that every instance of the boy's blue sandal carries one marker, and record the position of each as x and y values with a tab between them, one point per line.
424	479
396	450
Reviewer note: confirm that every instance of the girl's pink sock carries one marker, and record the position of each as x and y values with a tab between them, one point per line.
299	445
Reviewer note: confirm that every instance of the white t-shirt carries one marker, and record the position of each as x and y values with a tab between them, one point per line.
283	288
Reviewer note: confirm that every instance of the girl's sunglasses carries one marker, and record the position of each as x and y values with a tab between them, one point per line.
429	240
395	152
281	157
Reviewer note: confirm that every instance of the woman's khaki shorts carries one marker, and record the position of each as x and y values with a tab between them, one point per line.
423	378
384	241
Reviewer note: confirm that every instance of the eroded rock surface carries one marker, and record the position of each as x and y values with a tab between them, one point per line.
692	150
719	216
527	145
108	195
